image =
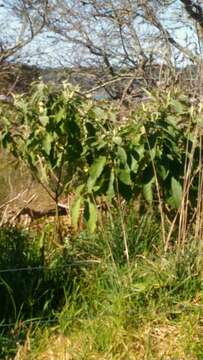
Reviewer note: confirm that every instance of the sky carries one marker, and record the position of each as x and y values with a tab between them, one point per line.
44	51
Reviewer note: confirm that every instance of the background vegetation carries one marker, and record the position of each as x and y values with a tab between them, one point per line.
120	274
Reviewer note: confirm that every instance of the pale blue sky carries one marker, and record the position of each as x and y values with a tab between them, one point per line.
43	51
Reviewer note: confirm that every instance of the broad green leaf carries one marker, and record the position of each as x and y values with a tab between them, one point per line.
117	140
148	191
100	113
170	201
184	98
79	189
140	150
75	210
110	192
5	138
172	120
42	169
92	220
124	176
153	152
122	155
134	164
95	171
59	160
200	121
135	140
44	120
177	192
96	188
100	144
163	172
60	115
177	106
21	104
47	142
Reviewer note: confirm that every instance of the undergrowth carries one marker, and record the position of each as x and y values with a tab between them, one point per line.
100	306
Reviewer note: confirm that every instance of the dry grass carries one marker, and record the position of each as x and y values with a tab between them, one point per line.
155	340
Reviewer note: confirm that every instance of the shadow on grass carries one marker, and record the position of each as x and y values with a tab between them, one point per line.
33	284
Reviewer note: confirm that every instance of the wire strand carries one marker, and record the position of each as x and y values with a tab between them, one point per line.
43	267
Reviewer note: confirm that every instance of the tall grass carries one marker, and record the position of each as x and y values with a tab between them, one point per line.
114	308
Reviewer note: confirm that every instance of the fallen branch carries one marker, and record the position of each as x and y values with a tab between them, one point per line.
37	214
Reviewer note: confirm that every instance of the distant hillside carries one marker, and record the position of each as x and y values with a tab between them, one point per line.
18	77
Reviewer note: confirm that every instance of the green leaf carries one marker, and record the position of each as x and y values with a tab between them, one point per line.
172	120
153	152
60	115
184	98
21	104
140	151
47	142
122	155
42	170
95	171
200	121
148	191
100	113
117	140
79	189
92	218
75	210
5	138
110	191
124	176
163	172
177	192
44	120
134	164
177	106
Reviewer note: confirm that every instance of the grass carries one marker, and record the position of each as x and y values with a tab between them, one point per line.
141	312
149	308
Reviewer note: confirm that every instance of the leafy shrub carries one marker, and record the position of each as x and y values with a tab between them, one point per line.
70	142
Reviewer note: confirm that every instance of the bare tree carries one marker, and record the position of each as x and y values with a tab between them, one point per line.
118	43
124	38
21	21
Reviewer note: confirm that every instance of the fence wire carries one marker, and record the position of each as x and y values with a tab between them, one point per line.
37	268
19	324
44	267
30	321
